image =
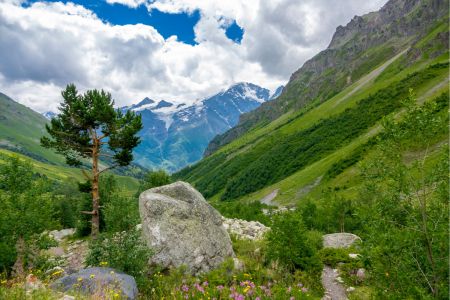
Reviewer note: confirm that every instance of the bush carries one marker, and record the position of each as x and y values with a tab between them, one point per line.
124	251
288	244
332	257
246	211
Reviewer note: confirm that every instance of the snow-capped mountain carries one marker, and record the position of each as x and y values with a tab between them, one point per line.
49	114
175	136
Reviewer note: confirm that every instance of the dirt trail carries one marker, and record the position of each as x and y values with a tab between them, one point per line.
269	198
333	289
369	77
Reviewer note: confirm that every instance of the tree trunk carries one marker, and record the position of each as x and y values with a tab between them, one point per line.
95	193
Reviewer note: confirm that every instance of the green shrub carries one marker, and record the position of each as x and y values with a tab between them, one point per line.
288	244
246	211
124	251
331	256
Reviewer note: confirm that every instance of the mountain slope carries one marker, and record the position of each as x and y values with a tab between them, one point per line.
174	137
20	131
364	43
294	152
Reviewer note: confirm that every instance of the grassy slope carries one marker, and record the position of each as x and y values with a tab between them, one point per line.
20	131
63	173
298	184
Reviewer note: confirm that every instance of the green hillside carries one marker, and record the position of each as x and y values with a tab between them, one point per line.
20	131
293	154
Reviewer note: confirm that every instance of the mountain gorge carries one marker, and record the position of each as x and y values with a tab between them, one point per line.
175	136
355	49
331	106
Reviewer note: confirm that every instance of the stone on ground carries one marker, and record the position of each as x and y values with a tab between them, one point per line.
340	240
99	282
183	229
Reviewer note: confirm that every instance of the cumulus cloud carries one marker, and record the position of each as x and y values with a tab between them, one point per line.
49	44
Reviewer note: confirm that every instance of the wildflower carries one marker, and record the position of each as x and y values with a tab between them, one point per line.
199	288
92	276
116	295
185	288
304	290
292	298
57	273
257	298
247	275
112	272
79	279
247	288
289	289
4	281
220	287
300	285
103	263
205	283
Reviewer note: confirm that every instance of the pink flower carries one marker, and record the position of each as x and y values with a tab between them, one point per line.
205	283
184	288
289	289
220	287
292	298
304	290
299	285
257	298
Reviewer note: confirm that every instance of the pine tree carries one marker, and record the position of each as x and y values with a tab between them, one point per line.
86	124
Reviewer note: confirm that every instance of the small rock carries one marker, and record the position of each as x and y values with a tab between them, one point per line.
238	264
350	289
339	240
56	251
67	297
59	235
361	274
353	255
339	279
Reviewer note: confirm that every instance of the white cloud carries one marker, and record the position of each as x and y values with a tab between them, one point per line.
47	45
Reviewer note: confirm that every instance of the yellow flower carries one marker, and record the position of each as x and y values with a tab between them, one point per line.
103	263
247	275
247	288
112	272
79	279
92	276
116	295
57	272
4	281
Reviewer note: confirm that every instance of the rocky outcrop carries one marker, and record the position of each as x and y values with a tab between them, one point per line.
249	230
99	283
183	229
340	240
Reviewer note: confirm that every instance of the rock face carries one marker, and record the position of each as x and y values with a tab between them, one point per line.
250	230
97	282
339	240
183	229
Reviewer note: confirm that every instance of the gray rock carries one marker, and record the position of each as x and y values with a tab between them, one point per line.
183	229
361	274
96	281
59	235
339	240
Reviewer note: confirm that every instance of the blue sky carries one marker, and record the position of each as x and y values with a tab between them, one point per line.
167	24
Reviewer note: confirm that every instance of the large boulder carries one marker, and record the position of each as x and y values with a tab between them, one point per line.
339	240
183	229
98	282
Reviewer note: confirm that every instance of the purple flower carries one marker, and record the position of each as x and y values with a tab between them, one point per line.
220	287
205	283
184	288
299	285
257	298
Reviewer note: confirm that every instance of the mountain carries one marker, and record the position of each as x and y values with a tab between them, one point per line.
176	136
355	49
20	131
49	115
309	140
